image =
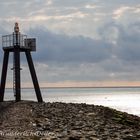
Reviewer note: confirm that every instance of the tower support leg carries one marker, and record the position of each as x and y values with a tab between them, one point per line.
4	74
17	74
34	77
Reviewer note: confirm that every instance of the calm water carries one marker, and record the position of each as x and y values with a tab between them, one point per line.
123	99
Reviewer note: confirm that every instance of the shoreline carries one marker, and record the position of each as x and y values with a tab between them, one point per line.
122	99
66	121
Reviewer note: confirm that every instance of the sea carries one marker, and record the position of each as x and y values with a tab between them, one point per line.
123	99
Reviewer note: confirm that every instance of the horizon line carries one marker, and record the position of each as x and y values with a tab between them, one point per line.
79	87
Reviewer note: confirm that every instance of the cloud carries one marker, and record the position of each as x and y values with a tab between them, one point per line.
63	48
124	10
128	43
91	6
126	39
83	59
119	12
79	40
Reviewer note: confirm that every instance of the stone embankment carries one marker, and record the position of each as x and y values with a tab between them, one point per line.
60	121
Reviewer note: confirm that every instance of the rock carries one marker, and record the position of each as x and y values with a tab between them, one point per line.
74	138
91	133
81	112
130	137
91	114
67	121
34	124
46	119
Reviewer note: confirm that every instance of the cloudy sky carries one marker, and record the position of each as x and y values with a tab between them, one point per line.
86	41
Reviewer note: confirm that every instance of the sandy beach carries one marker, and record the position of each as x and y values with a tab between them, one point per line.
65	121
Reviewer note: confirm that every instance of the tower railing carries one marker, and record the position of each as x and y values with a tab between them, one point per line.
10	40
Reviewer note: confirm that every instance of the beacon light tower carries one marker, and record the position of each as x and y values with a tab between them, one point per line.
17	43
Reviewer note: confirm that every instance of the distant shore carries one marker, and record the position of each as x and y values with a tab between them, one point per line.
65	121
81	87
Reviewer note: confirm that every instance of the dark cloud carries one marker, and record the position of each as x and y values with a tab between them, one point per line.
126	39
81	58
129	43
63	48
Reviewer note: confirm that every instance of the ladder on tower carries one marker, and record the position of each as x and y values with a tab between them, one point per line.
14	82
14	76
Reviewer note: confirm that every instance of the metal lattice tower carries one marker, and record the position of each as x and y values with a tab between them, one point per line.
17	43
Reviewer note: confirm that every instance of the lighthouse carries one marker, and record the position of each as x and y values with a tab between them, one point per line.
16	43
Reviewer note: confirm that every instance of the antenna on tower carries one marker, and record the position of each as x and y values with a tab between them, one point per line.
17	43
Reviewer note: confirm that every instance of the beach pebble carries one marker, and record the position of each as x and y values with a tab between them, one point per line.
67	121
